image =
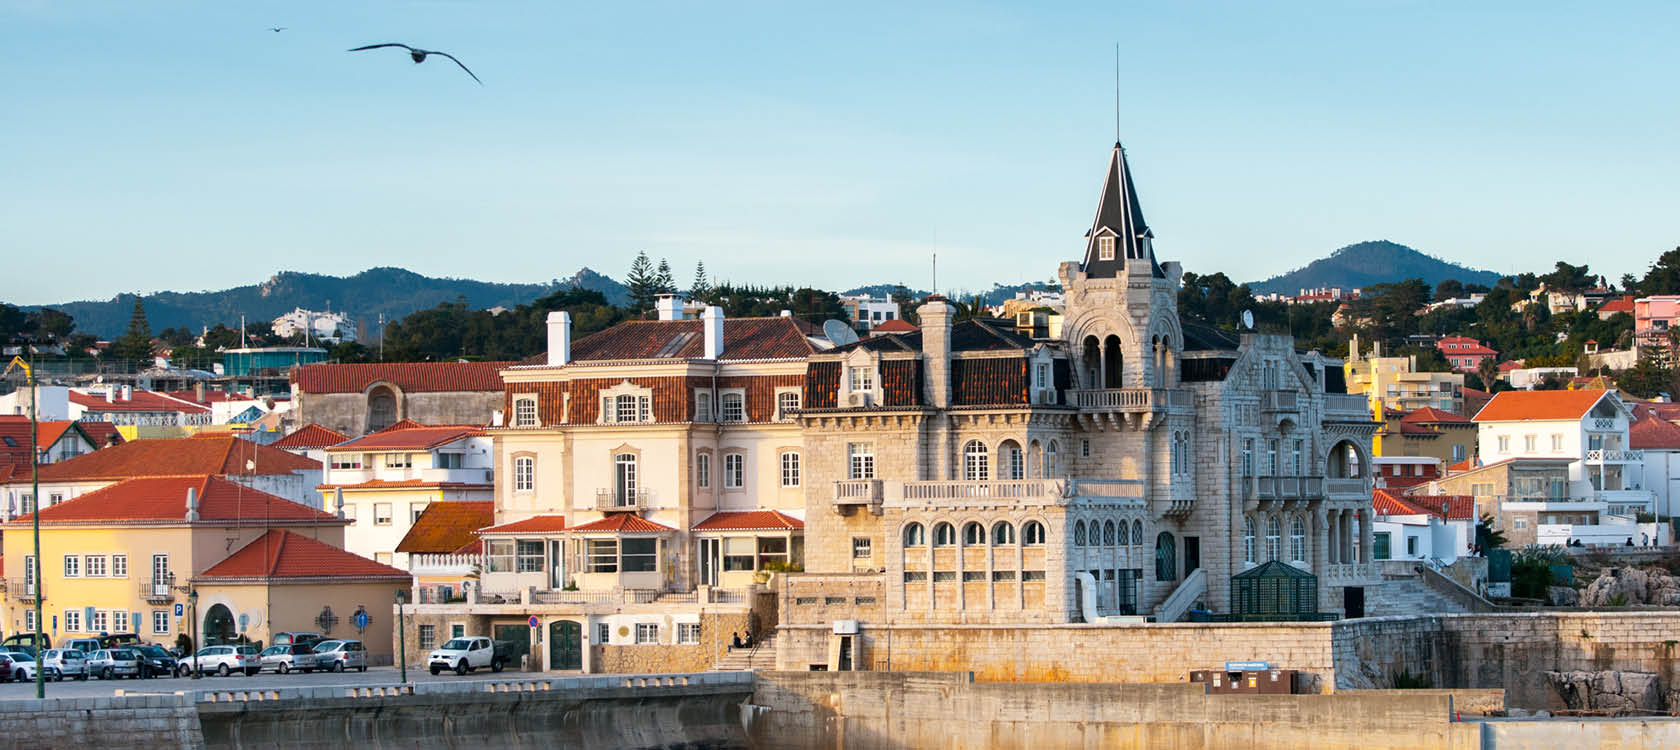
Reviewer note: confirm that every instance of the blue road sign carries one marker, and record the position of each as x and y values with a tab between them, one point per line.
1246	666
534	621
362	619
180	609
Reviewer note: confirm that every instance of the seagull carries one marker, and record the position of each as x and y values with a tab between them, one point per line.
277	29
419	55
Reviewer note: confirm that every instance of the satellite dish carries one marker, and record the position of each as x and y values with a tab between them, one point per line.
839	333
1248	319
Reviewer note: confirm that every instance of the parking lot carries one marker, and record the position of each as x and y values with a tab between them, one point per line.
94	688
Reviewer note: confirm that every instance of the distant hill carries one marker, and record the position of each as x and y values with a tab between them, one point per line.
1366	263
993	296
395	292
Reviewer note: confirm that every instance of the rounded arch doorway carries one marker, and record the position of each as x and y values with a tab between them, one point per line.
219	626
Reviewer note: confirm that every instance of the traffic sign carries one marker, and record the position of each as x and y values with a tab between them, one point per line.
362	619
534	621
180	609
1246	666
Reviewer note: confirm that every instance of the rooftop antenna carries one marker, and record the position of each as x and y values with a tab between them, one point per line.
935	289
1116	92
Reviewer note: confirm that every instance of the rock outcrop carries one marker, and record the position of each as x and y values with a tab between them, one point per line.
1621	693
1629	587
1562	596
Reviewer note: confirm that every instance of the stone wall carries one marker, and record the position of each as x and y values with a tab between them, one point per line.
715	631
852	710
135	722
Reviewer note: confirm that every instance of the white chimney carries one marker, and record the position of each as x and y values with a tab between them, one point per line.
559	338
787	313
110	394
128	393
670	307
338	501
712	322
192	503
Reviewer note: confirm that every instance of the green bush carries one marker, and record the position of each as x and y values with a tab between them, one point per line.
1402	679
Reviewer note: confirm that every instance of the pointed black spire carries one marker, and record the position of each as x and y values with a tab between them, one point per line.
1117	234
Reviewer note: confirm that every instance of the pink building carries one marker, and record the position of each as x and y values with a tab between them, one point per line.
1653	317
1464	353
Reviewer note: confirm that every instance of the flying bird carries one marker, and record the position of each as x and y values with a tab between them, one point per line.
419	56
277	29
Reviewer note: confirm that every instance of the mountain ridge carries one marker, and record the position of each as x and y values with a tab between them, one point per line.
1362	264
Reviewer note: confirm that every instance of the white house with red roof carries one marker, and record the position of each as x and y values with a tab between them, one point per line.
1587	428
1439	528
1658	440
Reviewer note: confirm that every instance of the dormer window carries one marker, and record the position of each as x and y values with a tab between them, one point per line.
863	378
733	408
787	402
703	407
1105	248
525	412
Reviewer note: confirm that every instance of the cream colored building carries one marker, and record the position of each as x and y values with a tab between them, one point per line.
1395	383
381	483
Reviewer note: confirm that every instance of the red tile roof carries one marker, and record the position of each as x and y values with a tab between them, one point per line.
1654	433
103	434
205	455
16	450
1432	415
164	499
1464	465
1538	405
281	554
310	436
896	325
412	439
1618	304
411	377
1515	364
1387	504
749	520
402	484
1663	409
743	338
621	522
447	526
138	401
1450	507
532	525
1462	345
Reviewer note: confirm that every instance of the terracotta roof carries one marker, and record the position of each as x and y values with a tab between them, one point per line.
1663	409
1515	364
743	338
210	396
403	484
446	526
223	454
621	522
1432	415
532	525
1450	507
1462	345
14	438
310	436
896	325
1387	504
413	438
138	401
164	498
1654	433
1618	304
1461	466
749	520
103	434
411	377
281	554
1537	405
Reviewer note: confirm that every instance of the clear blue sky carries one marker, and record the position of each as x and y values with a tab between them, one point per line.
162	145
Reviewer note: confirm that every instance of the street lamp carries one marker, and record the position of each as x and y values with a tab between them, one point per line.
35	514
402	637
192	598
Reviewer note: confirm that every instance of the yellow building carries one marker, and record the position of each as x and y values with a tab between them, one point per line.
1395	384
125	558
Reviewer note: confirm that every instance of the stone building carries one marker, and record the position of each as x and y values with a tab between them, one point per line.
356	399
966	474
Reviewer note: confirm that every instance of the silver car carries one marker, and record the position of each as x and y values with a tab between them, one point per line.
225	660
65	662
284	659
114	663
337	656
23	666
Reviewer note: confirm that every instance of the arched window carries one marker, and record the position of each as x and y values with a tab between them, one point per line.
382	409
1032	533
1109	535
1274	531
914	535
1166	557
1172	461
974	462
944	535
1003	533
1014	464
1137	533
1248	540
974	535
1298	540
1079	534
1125	538
1050	454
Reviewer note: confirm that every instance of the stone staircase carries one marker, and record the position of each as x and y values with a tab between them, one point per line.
1407	596
743	659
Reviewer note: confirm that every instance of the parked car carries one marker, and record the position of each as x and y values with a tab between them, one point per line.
284	659
469	653
225	660
155	661
5	668
114	663
65	662
84	645
289	639
337	656
120	640
23	665
25	642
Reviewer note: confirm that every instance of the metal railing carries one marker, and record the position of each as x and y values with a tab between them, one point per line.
1348	403
157	590
1615	457
17	588
1347	486
612	498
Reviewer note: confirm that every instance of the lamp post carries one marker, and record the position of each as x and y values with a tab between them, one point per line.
402	637
35	512
192	599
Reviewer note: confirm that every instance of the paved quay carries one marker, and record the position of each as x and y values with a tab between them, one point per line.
93	688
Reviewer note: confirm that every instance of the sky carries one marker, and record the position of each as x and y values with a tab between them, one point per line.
183	146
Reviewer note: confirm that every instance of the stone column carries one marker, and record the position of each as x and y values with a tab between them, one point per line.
1318	531
1366	538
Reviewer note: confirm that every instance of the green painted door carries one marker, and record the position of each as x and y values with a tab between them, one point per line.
517	635
565	645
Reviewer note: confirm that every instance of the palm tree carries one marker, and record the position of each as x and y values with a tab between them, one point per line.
1487	536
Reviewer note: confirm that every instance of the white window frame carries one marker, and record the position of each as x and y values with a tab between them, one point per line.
72	621
688	633
647	633
734	470
524	474
1105	247
702	406
703	470
160	621
382	519
95	566
860	378
790	468
101	622
119	566
860	461
787	400
603	633
72	566
119	621
976	461
525	412
732	407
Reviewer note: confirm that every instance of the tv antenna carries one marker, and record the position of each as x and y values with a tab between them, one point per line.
1248	319
839	333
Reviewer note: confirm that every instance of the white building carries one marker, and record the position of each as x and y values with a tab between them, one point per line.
1423	527
868	312
53	403
1658	440
322	326
382	482
1587	428
1527	378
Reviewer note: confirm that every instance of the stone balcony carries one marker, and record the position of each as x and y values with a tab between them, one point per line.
1347	407
1611	457
1280	401
1351	574
1131	400
988	492
851	494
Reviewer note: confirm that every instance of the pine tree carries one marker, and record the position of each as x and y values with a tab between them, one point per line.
701	288
136	344
641	283
662	280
